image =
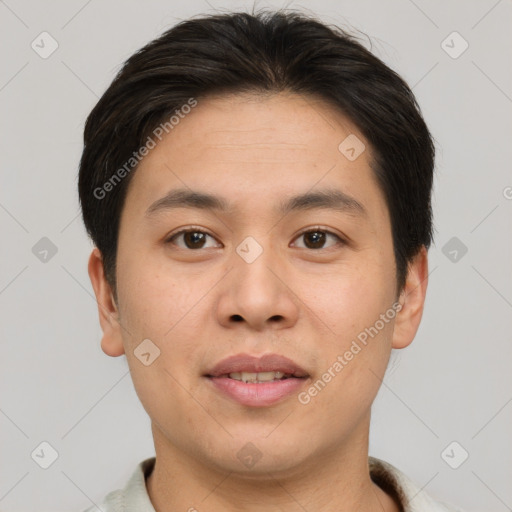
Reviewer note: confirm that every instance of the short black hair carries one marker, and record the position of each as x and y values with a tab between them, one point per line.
266	52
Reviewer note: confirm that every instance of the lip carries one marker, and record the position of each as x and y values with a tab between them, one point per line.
265	363
261	394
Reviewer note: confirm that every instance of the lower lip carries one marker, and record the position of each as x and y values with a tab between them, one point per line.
257	394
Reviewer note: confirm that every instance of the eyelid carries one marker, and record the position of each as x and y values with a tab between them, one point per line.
341	239
168	239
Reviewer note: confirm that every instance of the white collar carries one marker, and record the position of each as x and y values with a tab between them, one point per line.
134	496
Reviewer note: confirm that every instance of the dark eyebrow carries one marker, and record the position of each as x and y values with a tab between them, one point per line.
185	198
329	199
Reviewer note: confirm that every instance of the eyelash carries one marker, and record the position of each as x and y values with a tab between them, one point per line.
315	229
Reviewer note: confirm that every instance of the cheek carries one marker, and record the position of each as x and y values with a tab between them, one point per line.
160	308
155	299
349	298
164	307
351	302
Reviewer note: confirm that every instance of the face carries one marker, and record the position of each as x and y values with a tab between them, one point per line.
290	255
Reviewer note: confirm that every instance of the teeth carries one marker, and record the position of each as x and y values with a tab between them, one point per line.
256	377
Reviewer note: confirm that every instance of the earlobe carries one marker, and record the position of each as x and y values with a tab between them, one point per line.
111	342
412	300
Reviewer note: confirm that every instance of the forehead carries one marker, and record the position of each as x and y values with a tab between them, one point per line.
247	147
245	125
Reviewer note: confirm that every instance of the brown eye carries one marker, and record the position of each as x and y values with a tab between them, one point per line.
192	239
316	239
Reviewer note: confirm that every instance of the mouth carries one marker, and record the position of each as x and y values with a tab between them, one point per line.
263	368
255	377
257	381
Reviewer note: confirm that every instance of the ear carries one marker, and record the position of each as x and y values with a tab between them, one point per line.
412	300
111	342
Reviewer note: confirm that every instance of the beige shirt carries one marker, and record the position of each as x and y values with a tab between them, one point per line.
134	496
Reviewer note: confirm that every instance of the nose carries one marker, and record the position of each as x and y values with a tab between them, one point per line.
258	293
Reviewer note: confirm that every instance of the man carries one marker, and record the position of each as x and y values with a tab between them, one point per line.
258	191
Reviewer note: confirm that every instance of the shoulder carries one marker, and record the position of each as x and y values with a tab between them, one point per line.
133	496
404	490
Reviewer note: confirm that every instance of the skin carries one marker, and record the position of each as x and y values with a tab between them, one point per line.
200	305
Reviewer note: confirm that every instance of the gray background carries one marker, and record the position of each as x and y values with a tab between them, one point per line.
452	384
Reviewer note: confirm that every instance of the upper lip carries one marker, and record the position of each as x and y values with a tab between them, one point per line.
253	364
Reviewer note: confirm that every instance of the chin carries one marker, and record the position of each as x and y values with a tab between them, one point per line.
255	456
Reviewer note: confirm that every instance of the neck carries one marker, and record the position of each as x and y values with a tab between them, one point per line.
338	479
